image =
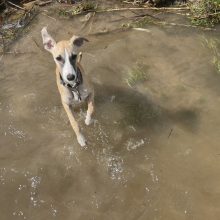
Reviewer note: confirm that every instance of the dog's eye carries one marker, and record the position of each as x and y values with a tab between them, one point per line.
59	58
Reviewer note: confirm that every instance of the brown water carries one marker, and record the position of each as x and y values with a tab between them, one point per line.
153	150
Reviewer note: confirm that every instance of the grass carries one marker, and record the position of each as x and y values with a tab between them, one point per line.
205	12
157	3
143	22
84	6
214	45
136	75
140	23
135	2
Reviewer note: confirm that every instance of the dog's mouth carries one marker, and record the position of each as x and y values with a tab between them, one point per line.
72	83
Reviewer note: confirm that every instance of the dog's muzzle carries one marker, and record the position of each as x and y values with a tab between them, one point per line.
74	88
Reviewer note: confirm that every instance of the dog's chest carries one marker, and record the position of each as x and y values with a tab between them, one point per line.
79	95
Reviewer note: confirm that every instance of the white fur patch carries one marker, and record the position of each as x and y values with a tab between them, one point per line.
67	68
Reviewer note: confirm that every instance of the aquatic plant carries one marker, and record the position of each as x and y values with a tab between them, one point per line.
84	6
214	45
205	12
136	75
142	22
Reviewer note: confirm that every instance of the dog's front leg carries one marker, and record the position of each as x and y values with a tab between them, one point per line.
80	138
90	110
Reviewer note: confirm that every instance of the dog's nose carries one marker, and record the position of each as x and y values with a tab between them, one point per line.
70	77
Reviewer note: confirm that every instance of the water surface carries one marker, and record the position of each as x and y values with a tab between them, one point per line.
153	149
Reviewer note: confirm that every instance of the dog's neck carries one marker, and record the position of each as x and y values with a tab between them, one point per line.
74	88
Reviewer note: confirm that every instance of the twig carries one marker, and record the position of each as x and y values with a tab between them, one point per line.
16	52
116	30
89	20
48	16
133	9
122	18
44	3
144	15
171	130
89	54
137	16
2	3
140	9
142	29
182	25
37	44
17	6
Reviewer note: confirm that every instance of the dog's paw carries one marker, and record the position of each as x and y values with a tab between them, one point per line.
81	140
88	120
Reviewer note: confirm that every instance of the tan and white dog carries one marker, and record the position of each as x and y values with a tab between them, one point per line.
72	84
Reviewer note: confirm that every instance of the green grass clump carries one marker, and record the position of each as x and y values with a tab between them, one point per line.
137	75
205	12
140	23
84	6
214	45
88	5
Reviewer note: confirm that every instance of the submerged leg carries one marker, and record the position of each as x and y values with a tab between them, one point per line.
80	138
90	110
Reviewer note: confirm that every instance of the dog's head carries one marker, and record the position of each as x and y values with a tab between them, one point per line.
64	54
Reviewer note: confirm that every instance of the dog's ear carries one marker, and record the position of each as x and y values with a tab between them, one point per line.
77	41
48	42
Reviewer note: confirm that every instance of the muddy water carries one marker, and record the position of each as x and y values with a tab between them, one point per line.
153	149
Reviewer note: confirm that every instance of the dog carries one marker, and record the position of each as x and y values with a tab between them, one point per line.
72	83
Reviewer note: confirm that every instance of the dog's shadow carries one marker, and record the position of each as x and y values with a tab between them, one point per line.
139	111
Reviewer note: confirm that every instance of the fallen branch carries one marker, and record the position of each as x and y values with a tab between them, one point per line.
142	29
43	13
133	9
17	6
144	8
17	52
41	3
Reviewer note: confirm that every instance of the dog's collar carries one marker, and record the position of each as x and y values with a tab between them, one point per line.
78	82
